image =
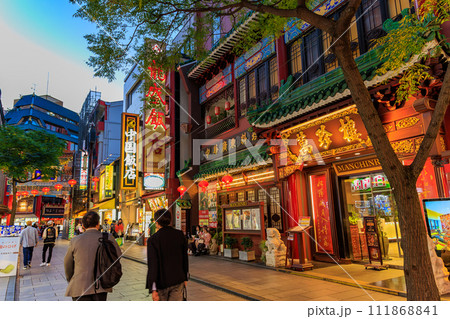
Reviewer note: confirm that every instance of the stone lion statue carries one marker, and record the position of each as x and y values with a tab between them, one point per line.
276	249
440	271
213	247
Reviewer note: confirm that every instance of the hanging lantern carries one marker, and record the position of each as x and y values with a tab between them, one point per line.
7	194
208	119
46	190
181	189
24	193
95	179
72	182
203	184
227	106
227	179
58	187
34	192
217	110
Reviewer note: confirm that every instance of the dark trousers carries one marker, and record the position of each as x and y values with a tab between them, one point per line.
173	293
50	251
94	297
27	255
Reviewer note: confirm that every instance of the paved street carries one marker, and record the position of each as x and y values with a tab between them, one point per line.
48	283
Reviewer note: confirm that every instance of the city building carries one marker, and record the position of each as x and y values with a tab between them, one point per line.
46	113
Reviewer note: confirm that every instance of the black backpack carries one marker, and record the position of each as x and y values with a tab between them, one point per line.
107	269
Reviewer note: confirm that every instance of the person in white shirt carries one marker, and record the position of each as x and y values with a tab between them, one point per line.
29	239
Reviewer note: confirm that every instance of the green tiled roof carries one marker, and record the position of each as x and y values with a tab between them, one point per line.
244	158
321	88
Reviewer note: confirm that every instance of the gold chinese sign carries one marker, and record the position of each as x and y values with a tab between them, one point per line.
329	135
129	151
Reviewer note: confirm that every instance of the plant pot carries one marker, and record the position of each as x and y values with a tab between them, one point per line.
231	252
247	255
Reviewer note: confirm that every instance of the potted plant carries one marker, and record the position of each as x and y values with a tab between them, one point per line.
263	247
247	254
229	251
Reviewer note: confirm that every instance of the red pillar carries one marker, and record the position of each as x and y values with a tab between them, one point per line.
282	59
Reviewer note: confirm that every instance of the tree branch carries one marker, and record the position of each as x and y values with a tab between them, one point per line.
343	23
433	128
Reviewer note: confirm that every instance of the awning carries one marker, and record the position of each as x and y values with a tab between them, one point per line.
109	204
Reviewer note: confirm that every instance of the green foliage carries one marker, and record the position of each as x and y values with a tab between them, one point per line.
23	152
407	38
230	242
263	247
218	237
247	243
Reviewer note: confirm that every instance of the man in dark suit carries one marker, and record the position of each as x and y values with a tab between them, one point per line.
79	262
168	266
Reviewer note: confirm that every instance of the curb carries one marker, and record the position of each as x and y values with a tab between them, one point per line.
235	292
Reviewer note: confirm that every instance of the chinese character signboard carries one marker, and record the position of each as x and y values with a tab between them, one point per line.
109	175
84	170
129	149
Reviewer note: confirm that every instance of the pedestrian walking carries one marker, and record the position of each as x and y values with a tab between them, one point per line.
113	229
49	236
105	226
80	262
168	268
29	239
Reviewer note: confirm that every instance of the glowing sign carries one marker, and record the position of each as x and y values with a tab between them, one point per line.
129	147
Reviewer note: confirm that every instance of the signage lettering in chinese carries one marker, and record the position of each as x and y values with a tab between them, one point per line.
84	170
129	148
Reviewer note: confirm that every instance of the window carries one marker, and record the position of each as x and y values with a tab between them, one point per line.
273	69
312	48
275	209
251	195
243	96
373	15
262	197
296	60
252	88
396	7
129	99
262	81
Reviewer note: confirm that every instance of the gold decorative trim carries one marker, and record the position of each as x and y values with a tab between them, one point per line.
389	127
404	147
443	147
323	119
407	122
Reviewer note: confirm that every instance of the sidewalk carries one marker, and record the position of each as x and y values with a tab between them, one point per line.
49	283
262	283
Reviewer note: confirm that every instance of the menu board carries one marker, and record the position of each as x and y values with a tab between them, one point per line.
373	241
71	228
9	253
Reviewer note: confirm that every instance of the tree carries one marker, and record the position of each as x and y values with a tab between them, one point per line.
125	25
22	153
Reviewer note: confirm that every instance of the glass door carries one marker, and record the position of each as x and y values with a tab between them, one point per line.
371	195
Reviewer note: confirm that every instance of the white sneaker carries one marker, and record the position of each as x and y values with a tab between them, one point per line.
43	264
48	264
25	267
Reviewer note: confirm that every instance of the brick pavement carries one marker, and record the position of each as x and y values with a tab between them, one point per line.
49	283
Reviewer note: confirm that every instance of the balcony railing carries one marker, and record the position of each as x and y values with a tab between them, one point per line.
220	127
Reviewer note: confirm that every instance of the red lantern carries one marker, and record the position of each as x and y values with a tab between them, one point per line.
227	106
203	184
34	192
95	179
208	119
46	190
72	182
227	179
182	189
217	110
7	194
58	187
24	193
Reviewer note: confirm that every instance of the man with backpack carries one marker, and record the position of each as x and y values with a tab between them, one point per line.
49	236
92	264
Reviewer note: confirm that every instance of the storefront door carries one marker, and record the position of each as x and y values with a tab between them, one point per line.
371	195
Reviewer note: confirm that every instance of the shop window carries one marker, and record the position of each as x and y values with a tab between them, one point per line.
251	195
273	69
321	213
262	197
371	195
275	209
295	62
372	13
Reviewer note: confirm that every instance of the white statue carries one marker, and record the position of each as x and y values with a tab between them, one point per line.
439	270
276	249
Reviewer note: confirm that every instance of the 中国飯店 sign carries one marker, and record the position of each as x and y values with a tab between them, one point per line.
128	151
